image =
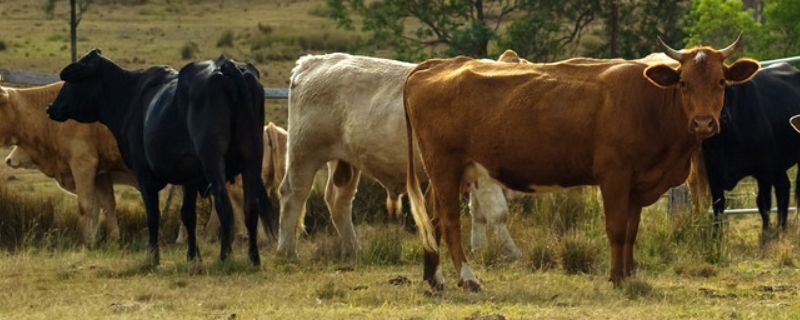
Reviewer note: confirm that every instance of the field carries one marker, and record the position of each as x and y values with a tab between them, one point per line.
683	271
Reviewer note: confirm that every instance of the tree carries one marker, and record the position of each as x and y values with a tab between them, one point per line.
717	23
780	35
418	29
640	22
543	29
77	8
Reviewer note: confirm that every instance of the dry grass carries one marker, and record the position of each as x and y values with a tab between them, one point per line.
682	272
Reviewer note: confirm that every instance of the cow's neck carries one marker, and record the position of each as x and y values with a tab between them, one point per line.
118	91
671	162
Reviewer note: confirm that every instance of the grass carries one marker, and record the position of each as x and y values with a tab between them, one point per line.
683	272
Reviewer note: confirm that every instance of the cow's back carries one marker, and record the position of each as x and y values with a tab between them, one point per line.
351	108
592	114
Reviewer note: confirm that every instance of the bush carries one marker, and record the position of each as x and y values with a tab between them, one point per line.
2	45
189	50
226	39
29	221
543	256
578	254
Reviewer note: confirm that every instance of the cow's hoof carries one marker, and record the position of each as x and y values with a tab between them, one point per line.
470	285
435	285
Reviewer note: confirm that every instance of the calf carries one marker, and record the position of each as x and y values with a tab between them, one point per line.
197	128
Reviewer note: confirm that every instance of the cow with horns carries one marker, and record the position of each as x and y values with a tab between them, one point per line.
627	126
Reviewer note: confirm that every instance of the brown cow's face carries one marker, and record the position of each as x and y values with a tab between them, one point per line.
701	79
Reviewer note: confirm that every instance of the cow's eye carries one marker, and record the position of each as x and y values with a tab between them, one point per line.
682	83
722	82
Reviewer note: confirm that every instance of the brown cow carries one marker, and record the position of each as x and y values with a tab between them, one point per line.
627	126
84	159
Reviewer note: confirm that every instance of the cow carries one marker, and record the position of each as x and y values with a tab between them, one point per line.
347	111
273	167
197	127
755	139
627	126
83	159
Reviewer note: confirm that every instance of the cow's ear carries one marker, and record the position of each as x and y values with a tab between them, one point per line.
795	122
662	75
77	71
741	70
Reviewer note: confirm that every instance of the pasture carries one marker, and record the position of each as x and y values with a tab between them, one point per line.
563	273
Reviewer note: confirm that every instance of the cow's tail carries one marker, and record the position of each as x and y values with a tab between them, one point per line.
415	196
698	183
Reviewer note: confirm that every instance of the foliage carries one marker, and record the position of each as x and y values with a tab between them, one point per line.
546	27
226	39
780	34
77	8
716	23
640	22
189	50
418	29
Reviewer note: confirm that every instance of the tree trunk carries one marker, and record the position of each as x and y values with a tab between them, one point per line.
483	50
613	53
73	28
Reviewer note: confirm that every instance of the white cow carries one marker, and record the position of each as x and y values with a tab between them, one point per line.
347	111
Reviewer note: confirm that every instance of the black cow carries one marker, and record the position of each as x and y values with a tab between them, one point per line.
757	140
198	128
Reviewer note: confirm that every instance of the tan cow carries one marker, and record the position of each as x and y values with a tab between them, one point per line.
83	159
627	126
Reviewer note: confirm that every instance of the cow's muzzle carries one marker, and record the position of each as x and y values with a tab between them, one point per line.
703	126
56	113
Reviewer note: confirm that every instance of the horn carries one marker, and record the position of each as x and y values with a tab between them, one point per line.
731	49
672	53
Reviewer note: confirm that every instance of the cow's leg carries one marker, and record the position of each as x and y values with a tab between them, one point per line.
634	214
782	186
616	195
339	193
105	197
488	203
448	209
83	172
764	199
189	219
432	266
295	188
235	191
149	191
222	203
